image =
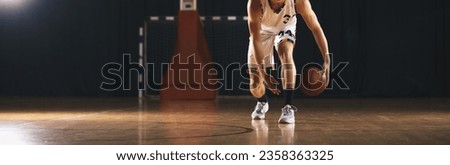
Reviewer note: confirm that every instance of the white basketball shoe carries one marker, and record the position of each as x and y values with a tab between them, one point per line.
260	111
287	115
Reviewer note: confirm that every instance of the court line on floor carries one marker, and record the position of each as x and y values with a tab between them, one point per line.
244	131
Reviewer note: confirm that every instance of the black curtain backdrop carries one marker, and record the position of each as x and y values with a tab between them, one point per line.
58	48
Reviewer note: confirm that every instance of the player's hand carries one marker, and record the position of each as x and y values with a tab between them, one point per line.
326	72
270	82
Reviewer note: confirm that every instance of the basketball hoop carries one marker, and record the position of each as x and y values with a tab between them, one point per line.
188	5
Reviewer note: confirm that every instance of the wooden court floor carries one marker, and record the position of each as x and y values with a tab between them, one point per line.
112	121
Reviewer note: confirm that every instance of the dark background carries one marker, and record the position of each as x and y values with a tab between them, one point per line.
58	47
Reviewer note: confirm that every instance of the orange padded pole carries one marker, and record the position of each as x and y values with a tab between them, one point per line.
188	76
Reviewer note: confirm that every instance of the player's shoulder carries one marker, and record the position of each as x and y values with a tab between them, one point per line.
301	2
302	6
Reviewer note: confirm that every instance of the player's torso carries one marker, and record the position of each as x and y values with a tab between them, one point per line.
274	22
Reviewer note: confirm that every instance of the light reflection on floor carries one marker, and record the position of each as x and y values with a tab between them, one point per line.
12	135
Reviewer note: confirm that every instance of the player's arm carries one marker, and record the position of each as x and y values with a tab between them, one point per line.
254	26
305	10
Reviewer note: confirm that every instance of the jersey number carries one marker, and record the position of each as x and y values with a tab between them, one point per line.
289	33
287	18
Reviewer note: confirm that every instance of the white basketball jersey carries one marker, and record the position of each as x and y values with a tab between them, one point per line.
275	27
273	22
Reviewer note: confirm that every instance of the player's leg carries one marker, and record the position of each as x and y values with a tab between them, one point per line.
257	87
285	47
288	69
258	90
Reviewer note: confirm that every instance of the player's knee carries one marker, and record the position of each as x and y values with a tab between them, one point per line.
254	78
285	52
254	83
285	57
259	91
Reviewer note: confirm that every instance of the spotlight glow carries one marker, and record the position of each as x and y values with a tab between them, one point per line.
12	4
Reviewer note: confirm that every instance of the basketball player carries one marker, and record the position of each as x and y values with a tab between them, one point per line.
272	23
